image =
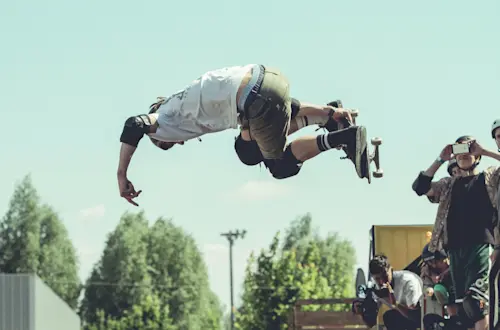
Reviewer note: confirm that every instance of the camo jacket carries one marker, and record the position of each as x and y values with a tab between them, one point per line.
442	195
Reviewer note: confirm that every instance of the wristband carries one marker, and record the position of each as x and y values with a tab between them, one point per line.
440	160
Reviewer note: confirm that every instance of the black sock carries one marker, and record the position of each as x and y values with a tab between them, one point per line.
334	139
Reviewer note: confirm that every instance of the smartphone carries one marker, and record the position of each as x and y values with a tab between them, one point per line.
461	148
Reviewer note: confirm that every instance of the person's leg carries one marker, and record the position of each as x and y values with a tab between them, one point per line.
394	320
457	275
269	122
451	307
269	115
476	279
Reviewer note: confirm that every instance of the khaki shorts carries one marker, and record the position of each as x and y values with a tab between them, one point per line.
269	115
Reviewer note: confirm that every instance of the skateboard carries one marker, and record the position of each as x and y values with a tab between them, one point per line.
375	142
494	282
374	157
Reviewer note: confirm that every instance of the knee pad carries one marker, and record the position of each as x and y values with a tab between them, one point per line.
285	167
248	151
475	302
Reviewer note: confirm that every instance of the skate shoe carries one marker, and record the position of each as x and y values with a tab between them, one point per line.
357	152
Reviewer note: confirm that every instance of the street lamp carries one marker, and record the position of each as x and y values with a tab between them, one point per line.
232	236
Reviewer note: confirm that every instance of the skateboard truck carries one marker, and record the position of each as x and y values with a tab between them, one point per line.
375	157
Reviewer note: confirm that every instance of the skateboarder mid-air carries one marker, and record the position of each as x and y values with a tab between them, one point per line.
466	222
221	98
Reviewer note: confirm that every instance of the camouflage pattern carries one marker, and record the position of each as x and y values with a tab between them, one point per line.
442	193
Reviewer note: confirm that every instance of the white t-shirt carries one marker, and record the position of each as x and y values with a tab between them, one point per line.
407	287
207	105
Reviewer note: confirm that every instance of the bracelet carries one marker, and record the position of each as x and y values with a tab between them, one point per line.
440	160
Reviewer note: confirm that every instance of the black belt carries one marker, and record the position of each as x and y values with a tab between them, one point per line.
254	93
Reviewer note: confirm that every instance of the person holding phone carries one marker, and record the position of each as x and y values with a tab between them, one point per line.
466	223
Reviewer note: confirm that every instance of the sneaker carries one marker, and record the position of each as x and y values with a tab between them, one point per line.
357	151
332	125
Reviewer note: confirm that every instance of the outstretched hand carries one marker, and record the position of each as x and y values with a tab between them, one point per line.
127	190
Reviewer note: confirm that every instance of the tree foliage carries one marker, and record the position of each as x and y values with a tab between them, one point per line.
303	266
34	240
142	264
337	255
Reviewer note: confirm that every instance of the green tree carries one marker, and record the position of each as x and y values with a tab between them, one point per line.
148	314
338	256
120	279
33	239
303	266
180	277
162	262
20	231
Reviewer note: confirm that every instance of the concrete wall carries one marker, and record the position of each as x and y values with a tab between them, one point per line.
51	312
26	303
16	302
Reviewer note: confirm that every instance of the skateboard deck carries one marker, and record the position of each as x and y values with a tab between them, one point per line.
370	157
494	282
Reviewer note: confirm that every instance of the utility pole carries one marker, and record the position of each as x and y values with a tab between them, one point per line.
232	236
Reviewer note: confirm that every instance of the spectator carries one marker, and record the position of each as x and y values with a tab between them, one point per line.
495	132
466	223
402	290
436	278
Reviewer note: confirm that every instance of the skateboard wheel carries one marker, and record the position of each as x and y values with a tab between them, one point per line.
378	173
354	113
376	141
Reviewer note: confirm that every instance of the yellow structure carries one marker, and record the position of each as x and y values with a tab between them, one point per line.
401	244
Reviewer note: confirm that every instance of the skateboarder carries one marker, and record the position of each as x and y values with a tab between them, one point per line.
465	223
216	101
302	115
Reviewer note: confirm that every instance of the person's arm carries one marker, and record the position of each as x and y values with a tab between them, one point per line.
491	154
423	184
133	130
311	110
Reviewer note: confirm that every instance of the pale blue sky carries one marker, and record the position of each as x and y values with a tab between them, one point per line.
422	73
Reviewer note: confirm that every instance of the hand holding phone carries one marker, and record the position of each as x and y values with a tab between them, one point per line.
460	148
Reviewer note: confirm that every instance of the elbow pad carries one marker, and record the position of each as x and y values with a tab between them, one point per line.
422	184
295	108
134	129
